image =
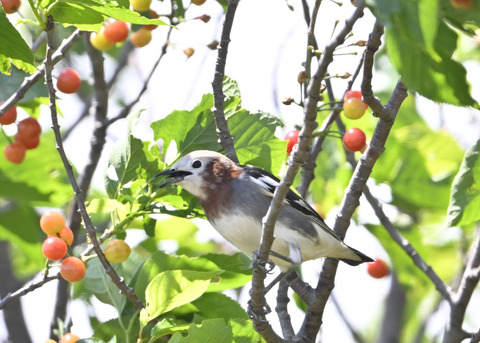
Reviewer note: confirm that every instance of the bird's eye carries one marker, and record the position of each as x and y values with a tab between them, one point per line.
196	164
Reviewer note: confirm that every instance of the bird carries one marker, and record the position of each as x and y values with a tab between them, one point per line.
236	197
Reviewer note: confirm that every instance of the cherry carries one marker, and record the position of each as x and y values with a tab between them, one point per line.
10	116
10	6
28	142
140	5
292	139
68	81
378	269
100	42
354	108
72	269
52	222
54	248
117	251
69	338
465	4
352	94
28	127
354	139
153	15
67	235
142	37
116	31
15	152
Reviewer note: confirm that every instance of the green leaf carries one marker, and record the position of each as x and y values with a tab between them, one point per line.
101	285
419	164
190	130
255	142
168	326
464	205
173	288
128	158
13	48
19	224
425	68
225	307
160	261
93	12
210	331
32	180
10	84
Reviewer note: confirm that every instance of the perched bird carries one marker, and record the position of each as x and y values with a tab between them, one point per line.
235	199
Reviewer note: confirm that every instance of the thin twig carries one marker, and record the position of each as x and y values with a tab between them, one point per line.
30	287
406	246
223	132
91	231
374	42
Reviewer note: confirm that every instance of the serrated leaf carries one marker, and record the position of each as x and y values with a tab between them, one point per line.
464	205
225	307
168	326
190	130
434	75
93	12
255	142
173	288
13	47
210	331
160	261
101	285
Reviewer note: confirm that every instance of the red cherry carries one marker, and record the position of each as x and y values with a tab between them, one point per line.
68	81
15	152
10	6
378	268
292	139
9	116
116	31
29	127
354	94
28	142
54	248
354	139
72	269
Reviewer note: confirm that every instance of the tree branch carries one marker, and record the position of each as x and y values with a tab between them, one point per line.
406	246
373	44
91	231
312	321
462	296
223	132
354	191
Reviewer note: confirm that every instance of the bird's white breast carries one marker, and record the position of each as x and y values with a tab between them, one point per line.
242	231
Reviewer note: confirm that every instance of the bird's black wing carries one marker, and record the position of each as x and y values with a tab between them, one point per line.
269	183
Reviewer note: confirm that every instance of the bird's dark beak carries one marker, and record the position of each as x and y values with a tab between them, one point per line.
172	176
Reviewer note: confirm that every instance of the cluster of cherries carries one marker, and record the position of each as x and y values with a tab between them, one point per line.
55	247
29	130
26	138
59	237
354	139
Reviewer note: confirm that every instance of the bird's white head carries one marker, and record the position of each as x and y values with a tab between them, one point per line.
199	171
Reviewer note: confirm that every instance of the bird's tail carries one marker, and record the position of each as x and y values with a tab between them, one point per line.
361	258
